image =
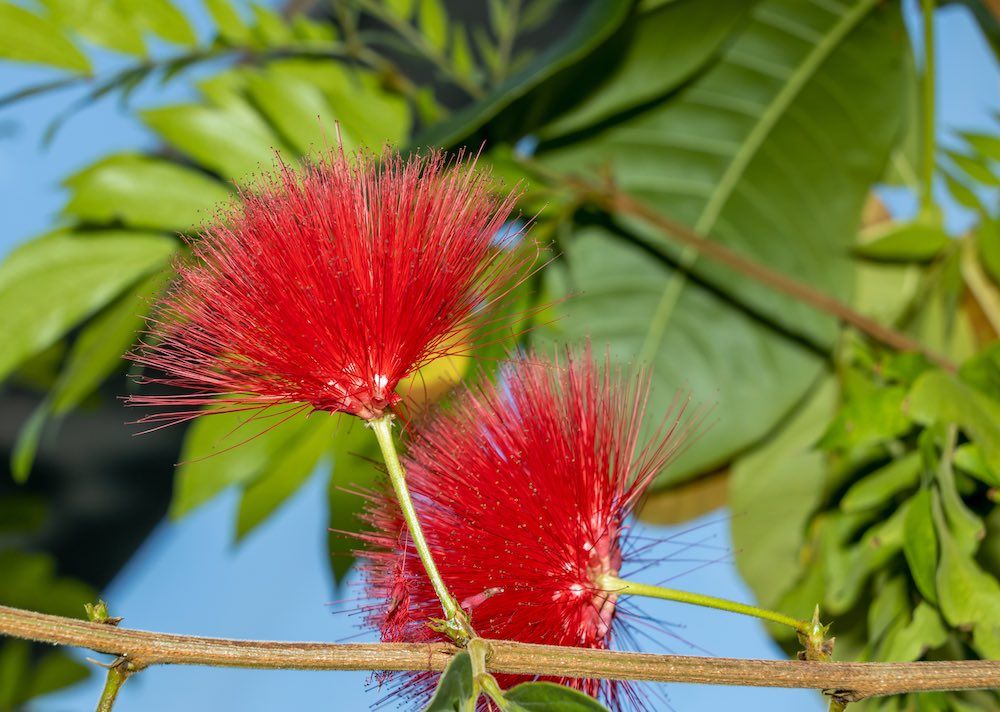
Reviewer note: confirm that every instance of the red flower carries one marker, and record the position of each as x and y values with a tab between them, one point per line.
329	285
523	490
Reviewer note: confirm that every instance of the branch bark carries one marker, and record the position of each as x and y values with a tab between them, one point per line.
849	681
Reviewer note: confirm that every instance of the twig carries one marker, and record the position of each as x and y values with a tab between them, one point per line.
611	198
850	681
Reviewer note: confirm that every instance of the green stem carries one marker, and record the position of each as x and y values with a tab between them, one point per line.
928	142
631	588
456	622
118	673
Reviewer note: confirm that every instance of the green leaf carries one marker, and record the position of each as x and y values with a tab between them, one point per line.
724	167
595	24
229	23
913	241
99	348
26	37
232	143
21	513
550	697
54	671
297	109
988	241
968	595
107	23
52	283
164	20
974	167
402	9
925	631
849	567
26	447
969	458
368	114
225	449
938	397
874	416
354	448
987	145
883	484
773	491
143	192
432	18
920	544
888	607
461	54
983	371
649	56
456	691
282	476
271	28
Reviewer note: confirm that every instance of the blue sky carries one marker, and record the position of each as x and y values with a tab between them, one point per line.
191	578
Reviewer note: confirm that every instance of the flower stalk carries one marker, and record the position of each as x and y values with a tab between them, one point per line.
619	586
455	623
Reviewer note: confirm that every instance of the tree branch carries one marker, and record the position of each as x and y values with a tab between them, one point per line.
609	197
848	681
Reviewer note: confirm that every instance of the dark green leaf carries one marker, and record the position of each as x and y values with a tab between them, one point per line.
912	241
143	192
729	174
594	25
920	544
988	240
354	448
55	671
99	348
21	513
284	474
226	449
15	669
26	447
550	697
878	488
26	37
455	690
773	490
50	284
649	56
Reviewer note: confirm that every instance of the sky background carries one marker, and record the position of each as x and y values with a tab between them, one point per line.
189	577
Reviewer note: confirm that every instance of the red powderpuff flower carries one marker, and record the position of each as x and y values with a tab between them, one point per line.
523	490
330	285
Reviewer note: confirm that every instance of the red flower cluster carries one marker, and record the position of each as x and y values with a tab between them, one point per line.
330	285
522	489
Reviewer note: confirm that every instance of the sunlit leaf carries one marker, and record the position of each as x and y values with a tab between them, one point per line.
455	690
26	37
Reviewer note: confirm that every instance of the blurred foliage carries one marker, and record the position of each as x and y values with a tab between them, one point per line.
862	479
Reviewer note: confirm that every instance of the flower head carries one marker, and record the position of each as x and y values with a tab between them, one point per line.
329	285
523	490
